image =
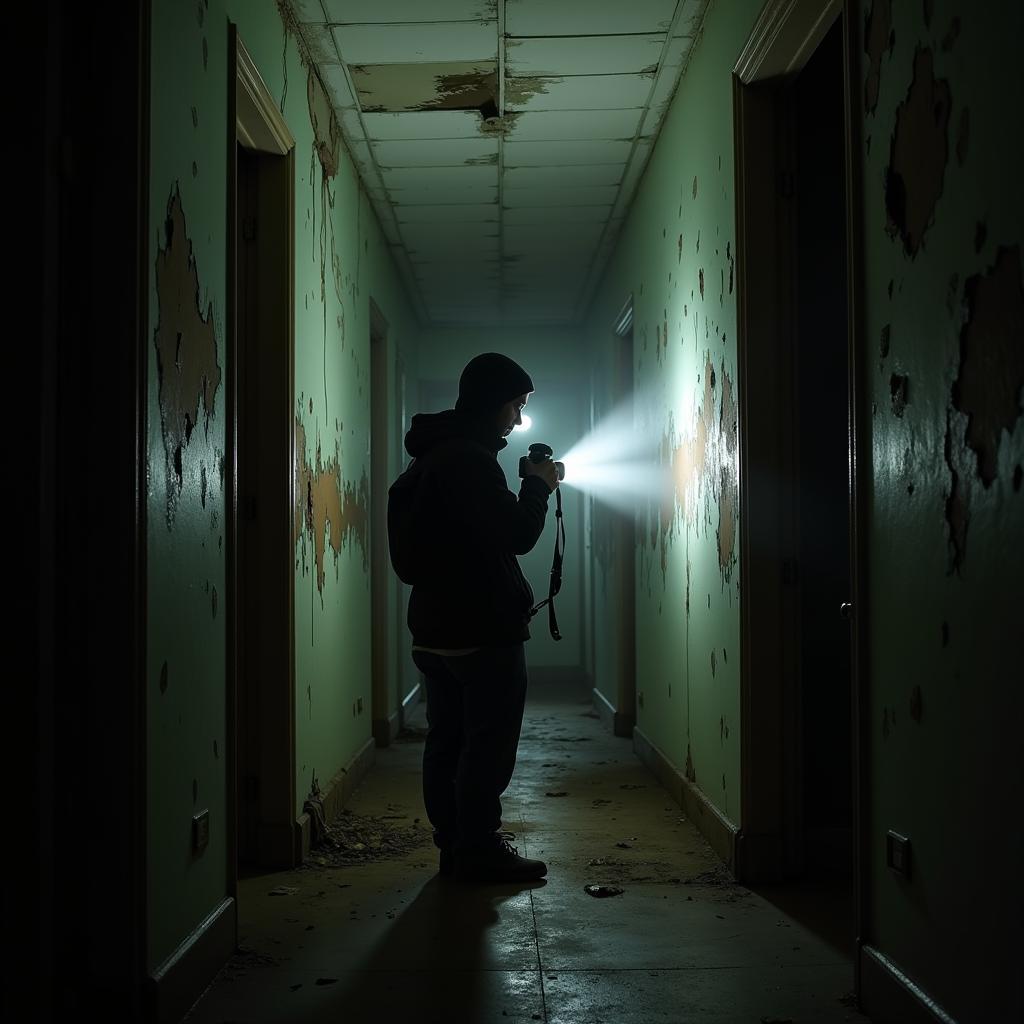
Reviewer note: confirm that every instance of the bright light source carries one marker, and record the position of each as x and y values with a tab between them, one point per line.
525	425
616	463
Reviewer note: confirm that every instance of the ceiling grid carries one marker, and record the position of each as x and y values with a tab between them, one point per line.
500	141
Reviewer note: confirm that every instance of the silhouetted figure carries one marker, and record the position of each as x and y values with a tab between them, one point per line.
455	529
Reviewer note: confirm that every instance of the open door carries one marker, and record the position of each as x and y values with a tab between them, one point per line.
798	359
260	535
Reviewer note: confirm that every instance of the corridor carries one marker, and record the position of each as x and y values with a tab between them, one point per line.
389	940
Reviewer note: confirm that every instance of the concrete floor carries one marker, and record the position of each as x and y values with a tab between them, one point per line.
390	941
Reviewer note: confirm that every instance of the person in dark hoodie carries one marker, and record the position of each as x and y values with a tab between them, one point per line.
455	531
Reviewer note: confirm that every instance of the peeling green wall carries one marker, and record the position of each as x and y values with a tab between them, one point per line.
342	261
944	329
676	257
556	362
186	747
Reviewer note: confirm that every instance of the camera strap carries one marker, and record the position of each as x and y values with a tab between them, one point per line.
556	570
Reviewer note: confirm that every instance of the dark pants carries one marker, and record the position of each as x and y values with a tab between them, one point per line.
475	708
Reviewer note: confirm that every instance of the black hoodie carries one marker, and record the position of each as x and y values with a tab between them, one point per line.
455	529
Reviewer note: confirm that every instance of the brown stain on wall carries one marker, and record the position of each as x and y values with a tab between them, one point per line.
703	471
877	32
326	131
918	155
186	348
988	387
322	500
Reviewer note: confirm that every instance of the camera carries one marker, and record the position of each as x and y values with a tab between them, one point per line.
540	453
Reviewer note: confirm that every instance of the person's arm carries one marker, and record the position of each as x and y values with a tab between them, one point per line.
481	499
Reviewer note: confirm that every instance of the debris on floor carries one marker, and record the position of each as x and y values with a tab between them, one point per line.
602	891
356	839
561	792
283	890
408	734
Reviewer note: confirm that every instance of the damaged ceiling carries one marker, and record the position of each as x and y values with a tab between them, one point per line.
500	141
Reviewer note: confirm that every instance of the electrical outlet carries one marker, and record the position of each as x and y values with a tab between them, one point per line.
200	831
897	853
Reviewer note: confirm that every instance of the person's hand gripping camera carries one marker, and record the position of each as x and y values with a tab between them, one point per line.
540	463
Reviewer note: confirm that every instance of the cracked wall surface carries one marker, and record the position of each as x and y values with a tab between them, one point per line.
942	221
677	257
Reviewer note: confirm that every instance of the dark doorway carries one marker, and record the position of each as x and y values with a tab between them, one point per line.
822	499
261	541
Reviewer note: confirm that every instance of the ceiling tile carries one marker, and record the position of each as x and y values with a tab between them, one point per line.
566	125
579	55
563	177
440	194
431	124
437	153
588	195
423	178
566	154
582	92
373	11
567	215
336	83
415	44
572	17
445	85
448	214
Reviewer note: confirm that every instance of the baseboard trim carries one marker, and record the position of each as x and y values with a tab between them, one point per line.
614	721
888	996
713	825
336	793
182	978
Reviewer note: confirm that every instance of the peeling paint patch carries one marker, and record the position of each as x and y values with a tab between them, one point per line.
916	705
163	678
695	186
883	344
963	136
324	502
877	38
186	347
326	131
460	85
899	389
991	376
951	36
689	771
917	155
957	516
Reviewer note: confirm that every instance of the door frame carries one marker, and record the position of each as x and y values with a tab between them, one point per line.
256	124
783	39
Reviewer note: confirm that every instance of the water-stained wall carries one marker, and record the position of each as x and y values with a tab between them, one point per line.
943	219
677	258
341	262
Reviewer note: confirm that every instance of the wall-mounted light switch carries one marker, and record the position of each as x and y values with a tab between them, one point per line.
897	853
200	831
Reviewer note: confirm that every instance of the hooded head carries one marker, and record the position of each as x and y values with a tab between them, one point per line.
488	382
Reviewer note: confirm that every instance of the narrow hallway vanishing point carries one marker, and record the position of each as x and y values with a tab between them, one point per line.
388	939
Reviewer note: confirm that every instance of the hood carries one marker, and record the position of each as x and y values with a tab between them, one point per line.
429	429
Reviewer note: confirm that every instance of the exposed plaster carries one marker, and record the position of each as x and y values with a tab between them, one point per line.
878	37
918	155
991	377
322	501
185	338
